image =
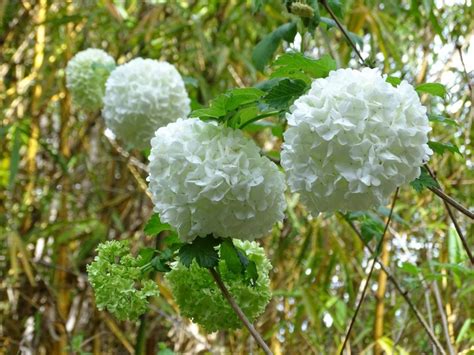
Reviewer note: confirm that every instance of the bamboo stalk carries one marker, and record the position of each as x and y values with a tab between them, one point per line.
380	299
32	149
60	276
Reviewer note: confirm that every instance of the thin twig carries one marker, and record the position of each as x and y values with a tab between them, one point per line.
466	75
401	290
367	281
343	30
456	225
239	312
448	199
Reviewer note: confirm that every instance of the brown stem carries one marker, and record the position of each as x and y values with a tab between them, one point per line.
447	199
402	291
367	282
343	30
238	311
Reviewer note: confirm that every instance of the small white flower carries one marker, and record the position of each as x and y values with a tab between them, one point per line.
353	139
142	96
209	179
86	74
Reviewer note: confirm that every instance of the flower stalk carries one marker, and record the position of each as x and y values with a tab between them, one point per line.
258	338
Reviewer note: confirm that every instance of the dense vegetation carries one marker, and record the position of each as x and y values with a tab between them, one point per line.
65	186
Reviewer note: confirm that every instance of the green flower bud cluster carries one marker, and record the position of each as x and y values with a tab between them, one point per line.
86	74
119	284
200	299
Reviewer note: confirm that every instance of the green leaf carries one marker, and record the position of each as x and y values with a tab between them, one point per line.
432	89
464	330
282	95
456	252
440	148
336	7
146	254
251	272
154	225
172	241
266	48
423	181
224	106
329	22
393	80
201	249
231	256
160	264
442	119
370	229
298	66
410	268
14	159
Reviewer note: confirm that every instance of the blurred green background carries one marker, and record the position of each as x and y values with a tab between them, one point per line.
65	187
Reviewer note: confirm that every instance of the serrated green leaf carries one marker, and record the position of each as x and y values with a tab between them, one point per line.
442	119
436	89
201	249
298	66
423	181
440	148
393	80
225	106
154	225
172	241
282	95
146	254
242	96
231	257
266	48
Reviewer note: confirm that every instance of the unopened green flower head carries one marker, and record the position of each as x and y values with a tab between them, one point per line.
86	74
200	299
119	284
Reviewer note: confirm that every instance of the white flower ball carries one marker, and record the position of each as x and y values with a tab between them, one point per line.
209	179
86	74
142	96
353	139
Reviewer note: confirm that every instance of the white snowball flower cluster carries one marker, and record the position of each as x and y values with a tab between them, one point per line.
142	96
86	74
209	179
352	139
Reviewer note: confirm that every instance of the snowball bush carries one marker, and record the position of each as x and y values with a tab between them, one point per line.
209	179
86	74
352	139
118	282
200	299
142	96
